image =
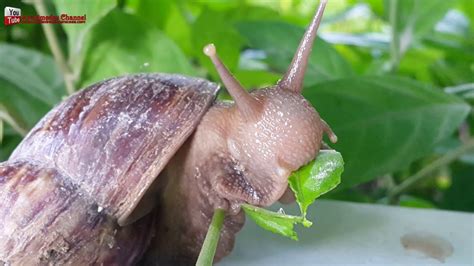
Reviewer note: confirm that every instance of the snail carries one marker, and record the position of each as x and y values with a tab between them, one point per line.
131	169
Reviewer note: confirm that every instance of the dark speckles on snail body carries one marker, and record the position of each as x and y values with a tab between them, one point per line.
133	167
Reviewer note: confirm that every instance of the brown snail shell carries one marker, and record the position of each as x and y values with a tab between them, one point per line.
47	220
81	172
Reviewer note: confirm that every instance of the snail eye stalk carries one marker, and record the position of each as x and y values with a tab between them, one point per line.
293	78
247	105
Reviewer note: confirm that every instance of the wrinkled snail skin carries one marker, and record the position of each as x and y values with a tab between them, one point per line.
240	153
229	161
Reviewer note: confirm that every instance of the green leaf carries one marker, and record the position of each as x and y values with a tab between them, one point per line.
308	183
30	85
9	143
134	47
460	195
384	123
414	19
275	222
21	107
279	40
156	11
7	117
466	7
256	78
316	178
32	72
178	29
416	61
217	5
214	27
453	71
76	33
169	16
415	202
249	12
376	6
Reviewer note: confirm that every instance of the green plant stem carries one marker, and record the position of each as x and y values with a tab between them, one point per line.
206	256
55	48
1	131
424	173
395	40
5	116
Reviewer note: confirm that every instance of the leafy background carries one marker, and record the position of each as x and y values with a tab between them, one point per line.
393	78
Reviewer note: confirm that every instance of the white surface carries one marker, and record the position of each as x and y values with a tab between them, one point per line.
352	233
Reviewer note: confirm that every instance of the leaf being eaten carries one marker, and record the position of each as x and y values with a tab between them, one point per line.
316	178
275	222
308	183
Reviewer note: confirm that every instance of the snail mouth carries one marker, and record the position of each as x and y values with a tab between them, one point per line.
283	169
282	172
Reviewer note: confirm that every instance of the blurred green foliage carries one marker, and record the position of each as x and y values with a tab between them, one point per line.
394	78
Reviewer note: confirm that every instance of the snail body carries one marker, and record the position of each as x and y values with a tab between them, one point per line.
132	168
